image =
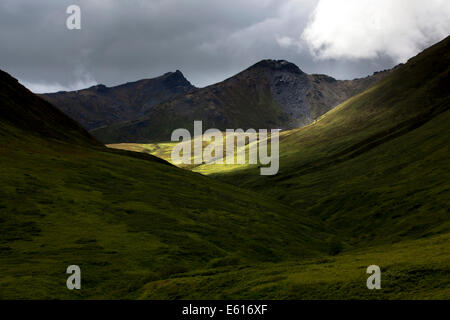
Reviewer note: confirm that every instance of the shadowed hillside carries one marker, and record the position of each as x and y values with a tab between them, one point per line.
125	220
100	105
21	109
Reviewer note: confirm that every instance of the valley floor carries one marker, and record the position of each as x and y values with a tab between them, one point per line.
417	269
366	184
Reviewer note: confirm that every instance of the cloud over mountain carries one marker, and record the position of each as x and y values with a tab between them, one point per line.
357	29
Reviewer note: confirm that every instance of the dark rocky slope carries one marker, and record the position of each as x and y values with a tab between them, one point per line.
269	94
100	105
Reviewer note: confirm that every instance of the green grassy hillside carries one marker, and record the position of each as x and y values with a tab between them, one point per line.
375	167
124	220
365	184
417	269
375	171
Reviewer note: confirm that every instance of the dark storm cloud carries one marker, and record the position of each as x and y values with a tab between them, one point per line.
123	41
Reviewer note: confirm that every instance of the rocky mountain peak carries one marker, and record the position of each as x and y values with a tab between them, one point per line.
177	79
278	65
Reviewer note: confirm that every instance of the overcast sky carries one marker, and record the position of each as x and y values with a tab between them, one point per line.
209	40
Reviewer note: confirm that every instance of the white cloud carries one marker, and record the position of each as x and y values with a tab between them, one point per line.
354	29
281	27
43	87
285	42
82	80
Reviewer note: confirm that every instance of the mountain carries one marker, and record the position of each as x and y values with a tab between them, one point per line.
125	218
375	168
269	94
375	172
100	105
366	183
20	109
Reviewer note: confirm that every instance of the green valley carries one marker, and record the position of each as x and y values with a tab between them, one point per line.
366	183
374	171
